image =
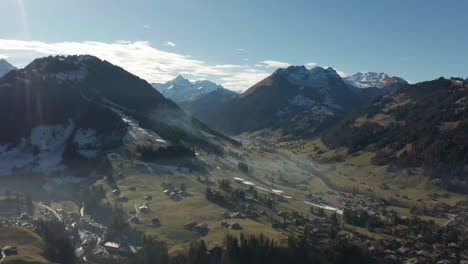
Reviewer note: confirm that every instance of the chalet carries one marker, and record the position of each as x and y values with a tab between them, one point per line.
215	252
202	229
10	250
156	222
190	225
144	209
236	226
112	247
392	259
135	220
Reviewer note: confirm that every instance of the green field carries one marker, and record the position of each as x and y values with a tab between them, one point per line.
29	244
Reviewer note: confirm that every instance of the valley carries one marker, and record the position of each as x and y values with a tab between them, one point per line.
112	175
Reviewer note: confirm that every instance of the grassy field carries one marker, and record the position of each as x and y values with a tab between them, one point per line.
174	214
29	244
277	170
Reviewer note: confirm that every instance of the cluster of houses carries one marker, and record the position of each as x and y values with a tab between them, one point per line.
174	193
317	198
371	206
441	210
415	250
201	229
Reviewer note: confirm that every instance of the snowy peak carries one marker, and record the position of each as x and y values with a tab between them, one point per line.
374	80
180	89
179	80
5	67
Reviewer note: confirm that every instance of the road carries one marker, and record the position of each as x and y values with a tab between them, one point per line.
50	209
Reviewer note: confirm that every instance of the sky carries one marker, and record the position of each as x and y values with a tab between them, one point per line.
238	43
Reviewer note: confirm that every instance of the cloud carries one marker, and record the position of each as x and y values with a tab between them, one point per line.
139	58
311	64
3	56
274	64
169	43
241	49
146	26
244	79
340	73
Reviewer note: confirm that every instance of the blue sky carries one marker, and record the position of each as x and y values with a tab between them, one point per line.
237	43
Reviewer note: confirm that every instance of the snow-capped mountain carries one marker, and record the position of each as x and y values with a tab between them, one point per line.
180	88
374	80
5	67
290	98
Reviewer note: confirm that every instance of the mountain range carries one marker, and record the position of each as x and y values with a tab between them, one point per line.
297	101
180	89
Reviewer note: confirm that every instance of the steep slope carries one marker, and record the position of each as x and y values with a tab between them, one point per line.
181	89
5	67
58	111
296	100
206	104
421	125
372	84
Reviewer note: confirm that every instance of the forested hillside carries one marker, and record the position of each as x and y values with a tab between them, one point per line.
421	125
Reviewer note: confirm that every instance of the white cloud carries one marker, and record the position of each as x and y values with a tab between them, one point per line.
311	64
169	43
274	64
139	58
146	26
241	49
3	56
341	73
244	79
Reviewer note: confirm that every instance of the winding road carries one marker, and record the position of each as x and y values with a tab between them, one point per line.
50	209
2	257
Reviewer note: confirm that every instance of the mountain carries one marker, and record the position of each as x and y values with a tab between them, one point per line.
5	67
205	105
181	89
372	84
296	100
60	112
421	125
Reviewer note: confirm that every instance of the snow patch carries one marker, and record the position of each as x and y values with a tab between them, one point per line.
88	143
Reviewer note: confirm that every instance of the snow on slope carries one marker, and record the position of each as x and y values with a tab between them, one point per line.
373	79
88	144
48	144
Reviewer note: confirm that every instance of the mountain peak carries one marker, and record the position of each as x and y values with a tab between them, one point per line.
374	80
5	67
